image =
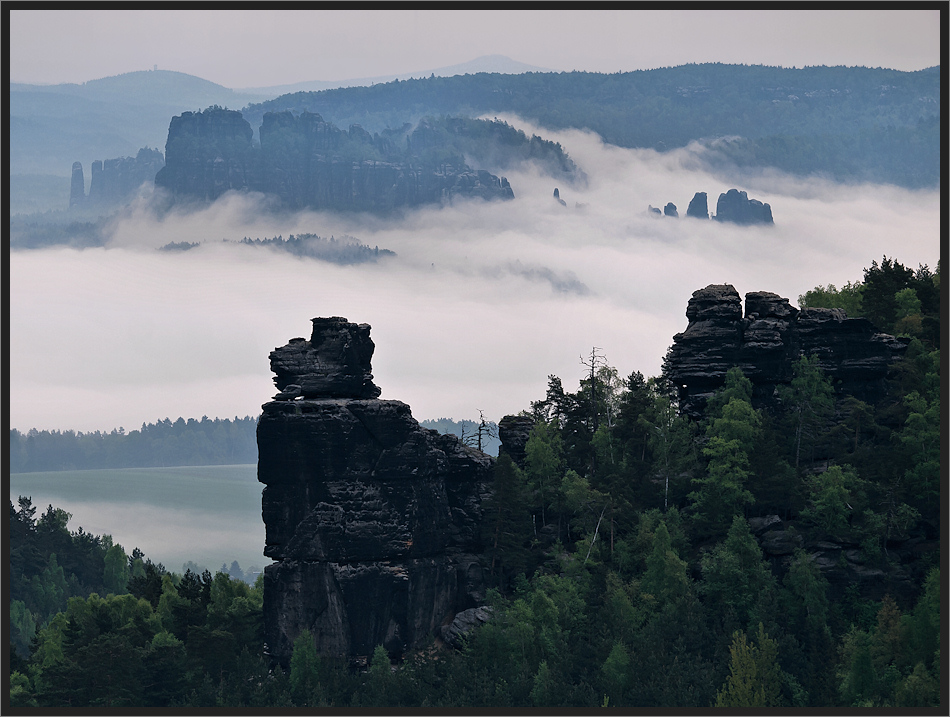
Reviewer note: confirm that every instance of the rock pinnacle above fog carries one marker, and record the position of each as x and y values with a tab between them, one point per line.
335	362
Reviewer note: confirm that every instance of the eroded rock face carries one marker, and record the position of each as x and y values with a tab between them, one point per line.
373	521
767	340
513	432
209	153
698	207
735	206
302	161
77	186
336	361
115	181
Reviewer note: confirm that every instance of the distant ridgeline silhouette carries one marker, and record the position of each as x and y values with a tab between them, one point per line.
309	163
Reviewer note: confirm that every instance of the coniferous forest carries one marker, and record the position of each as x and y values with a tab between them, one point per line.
782	557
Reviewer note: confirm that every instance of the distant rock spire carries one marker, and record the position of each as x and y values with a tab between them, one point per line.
698	207
77	187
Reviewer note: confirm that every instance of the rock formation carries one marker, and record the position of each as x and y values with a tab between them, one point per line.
735	206
670	210
513	432
209	153
557	197
77	186
767	340
463	623
309	163
841	564
698	207
373	521
115	181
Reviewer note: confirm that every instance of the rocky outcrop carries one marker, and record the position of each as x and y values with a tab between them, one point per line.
115	181
373	521
766	341
735	206
306	162
209	153
697	206
843	564
513	432
557	197
670	210
455	632
77	186
335	362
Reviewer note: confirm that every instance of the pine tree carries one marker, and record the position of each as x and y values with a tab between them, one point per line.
754	675
665	577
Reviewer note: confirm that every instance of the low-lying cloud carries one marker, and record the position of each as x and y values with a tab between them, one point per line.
481	302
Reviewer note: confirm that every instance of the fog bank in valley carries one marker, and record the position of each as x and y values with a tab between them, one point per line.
481	303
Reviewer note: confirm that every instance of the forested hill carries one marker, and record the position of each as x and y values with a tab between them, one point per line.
163	443
849	123
173	443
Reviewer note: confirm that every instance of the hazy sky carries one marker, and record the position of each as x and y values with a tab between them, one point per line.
241	48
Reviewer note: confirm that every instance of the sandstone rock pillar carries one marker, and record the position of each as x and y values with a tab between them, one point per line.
372	520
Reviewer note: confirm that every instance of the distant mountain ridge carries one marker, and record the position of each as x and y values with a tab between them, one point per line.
500	64
851	124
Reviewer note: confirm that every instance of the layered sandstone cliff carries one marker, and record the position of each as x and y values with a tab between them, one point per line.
114	181
767	340
306	162
373	521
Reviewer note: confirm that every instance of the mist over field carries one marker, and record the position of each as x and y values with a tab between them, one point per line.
481	303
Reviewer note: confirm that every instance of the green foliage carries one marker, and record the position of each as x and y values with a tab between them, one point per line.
808	401
735	577
22	627
721	492
830	496
735	387
848	298
508	521
924	624
616	671
665	577
116	572
754	674
858	678
921	437
543	467
733	428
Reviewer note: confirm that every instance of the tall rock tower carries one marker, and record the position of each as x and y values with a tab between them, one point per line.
77	186
373	521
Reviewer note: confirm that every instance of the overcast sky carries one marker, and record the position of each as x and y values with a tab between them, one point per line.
264	47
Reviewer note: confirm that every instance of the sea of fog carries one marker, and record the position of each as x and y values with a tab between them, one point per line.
210	515
482	302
